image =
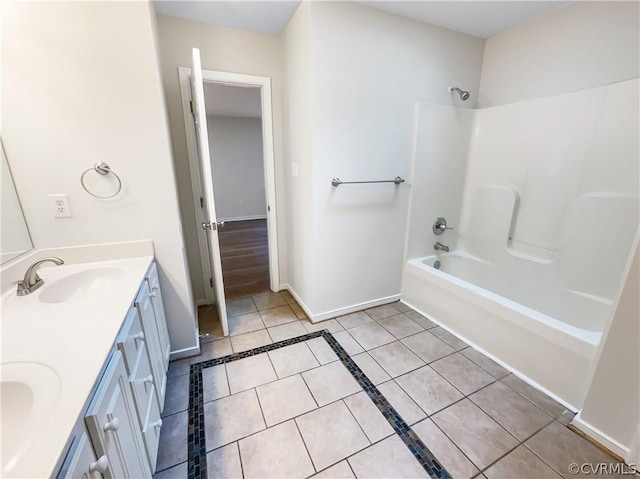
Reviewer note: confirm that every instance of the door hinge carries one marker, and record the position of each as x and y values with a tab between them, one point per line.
211	282
268	208
191	106
201	202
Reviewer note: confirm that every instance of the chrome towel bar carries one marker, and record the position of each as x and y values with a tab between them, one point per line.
337	181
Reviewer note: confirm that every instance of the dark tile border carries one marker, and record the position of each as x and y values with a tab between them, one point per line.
197	448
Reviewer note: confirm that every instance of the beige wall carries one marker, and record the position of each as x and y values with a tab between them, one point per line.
578	46
369	69
235	145
228	50
297	111
83	86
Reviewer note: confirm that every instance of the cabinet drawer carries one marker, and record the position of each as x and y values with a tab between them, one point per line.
131	339
142	383
151	431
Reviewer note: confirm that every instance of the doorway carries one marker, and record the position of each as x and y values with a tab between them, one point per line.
229	133
234	124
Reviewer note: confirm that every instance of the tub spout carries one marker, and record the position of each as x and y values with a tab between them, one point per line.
440	246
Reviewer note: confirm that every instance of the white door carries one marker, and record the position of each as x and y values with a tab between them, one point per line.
211	224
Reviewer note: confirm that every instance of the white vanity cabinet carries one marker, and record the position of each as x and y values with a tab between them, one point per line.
121	430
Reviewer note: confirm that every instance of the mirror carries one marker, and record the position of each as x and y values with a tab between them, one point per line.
14	235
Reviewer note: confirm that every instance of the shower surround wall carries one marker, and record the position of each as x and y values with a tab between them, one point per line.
550	195
442	140
577	47
549	216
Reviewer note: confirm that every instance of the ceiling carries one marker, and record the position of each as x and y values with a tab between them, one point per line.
268	17
480	18
224	100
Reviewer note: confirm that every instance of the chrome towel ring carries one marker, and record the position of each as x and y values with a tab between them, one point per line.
102	169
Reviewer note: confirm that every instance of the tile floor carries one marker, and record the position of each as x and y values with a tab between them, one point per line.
297	411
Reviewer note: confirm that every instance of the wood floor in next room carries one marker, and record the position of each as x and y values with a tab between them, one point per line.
245	257
318	404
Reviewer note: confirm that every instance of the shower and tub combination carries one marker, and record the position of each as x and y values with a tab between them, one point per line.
543	199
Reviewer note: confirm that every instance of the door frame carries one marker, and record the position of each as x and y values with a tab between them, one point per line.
236	80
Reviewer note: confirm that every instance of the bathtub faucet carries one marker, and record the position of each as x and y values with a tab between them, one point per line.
441	246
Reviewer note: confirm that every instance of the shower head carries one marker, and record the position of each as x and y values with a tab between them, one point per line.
464	95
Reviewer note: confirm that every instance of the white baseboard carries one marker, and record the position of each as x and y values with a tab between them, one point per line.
202	302
353	308
304	307
600	437
184	353
314	318
244	218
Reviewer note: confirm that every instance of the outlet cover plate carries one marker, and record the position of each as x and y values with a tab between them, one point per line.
60	205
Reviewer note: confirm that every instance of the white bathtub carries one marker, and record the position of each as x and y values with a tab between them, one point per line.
553	351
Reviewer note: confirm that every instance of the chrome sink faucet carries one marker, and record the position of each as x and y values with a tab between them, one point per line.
440	246
31	280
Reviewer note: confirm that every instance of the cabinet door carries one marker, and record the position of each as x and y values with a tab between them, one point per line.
130	340
151	431
143	384
113	425
158	308
81	462
148	320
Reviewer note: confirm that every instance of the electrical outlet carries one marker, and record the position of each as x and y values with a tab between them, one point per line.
294	169
241	202
60	205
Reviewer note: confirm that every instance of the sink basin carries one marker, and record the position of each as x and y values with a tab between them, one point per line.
29	393
78	285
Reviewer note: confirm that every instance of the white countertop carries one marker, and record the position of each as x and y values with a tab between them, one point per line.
72	338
